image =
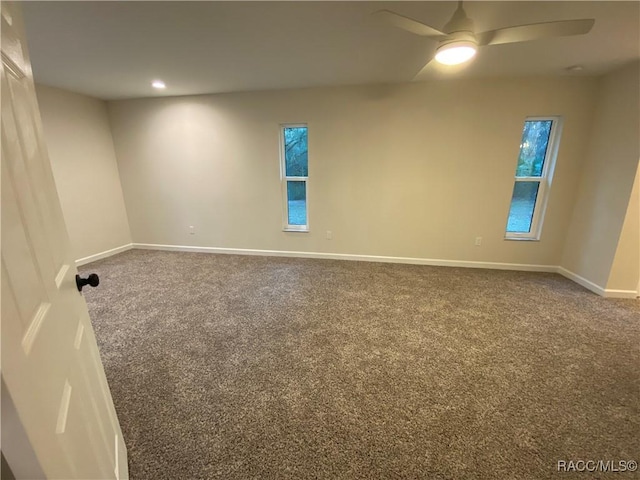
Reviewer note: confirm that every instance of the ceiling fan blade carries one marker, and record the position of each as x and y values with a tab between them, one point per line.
408	24
525	33
424	72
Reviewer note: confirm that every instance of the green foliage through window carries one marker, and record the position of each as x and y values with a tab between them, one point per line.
537	156
297	203
533	148
296	172
523	204
296	151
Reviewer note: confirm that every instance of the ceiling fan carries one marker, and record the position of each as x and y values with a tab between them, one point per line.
458	42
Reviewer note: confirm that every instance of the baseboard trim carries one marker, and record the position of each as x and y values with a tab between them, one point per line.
105	254
352	257
595	288
588	284
611	293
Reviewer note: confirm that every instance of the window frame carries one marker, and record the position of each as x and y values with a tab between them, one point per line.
286	227
544	180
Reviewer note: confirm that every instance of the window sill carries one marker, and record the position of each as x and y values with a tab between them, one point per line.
296	230
522	239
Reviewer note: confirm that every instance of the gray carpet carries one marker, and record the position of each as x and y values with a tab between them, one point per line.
240	367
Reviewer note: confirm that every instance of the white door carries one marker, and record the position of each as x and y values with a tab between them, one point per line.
61	421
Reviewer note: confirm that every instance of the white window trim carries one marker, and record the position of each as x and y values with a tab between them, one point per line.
545	181
284	179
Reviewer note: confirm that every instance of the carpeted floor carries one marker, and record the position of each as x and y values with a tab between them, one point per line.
240	367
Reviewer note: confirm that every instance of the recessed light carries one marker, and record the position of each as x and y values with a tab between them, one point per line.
159	84
575	68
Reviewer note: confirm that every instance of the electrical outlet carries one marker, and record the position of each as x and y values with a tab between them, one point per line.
329	234
192	230
478	241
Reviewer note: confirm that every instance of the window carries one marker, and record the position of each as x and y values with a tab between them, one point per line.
534	171
294	163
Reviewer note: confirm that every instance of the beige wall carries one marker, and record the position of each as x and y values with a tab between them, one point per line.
416	170
625	272
607	180
80	146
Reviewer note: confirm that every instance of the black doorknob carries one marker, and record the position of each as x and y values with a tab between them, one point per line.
92	280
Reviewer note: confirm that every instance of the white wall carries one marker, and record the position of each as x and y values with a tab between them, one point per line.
606	184
625	271
415	170
84	166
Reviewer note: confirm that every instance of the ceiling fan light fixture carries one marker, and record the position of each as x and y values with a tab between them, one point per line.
455	53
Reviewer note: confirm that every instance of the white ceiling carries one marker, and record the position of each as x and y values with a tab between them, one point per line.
114	50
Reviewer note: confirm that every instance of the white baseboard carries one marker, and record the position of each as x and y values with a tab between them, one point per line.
589	285
353	257
105	254
611	293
